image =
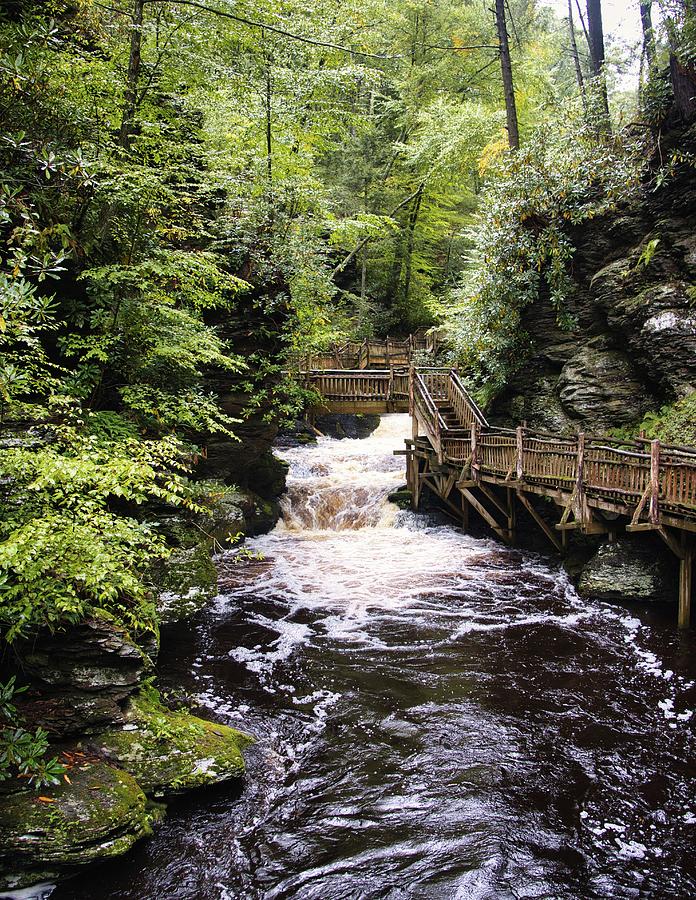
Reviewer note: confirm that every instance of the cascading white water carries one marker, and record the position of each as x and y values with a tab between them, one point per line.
339	485
341	546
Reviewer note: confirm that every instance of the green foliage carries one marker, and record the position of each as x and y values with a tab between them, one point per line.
22	752
523	242
647	253
66	550
672	424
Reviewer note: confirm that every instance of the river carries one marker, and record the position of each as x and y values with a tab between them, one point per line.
437	716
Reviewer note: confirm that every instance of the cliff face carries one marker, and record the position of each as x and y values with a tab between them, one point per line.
634	347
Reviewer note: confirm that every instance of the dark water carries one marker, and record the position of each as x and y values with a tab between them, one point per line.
436	716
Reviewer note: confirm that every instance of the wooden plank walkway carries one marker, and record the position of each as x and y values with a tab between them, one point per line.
599	485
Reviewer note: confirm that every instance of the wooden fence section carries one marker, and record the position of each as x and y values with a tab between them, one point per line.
369	354
595	481
359	391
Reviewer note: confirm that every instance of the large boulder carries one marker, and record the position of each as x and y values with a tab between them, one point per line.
169	752
99	814
340	425
630	570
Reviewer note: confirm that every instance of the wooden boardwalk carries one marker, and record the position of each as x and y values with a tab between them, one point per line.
598	485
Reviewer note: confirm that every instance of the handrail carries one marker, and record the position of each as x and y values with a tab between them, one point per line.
367	352
469	404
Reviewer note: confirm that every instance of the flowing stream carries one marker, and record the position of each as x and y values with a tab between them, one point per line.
437	716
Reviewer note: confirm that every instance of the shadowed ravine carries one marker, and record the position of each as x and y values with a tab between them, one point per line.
437	716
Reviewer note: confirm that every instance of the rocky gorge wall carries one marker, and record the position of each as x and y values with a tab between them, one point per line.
633	349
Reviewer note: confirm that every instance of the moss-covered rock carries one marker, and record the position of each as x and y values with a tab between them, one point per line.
401	498
629	570
169	752
98	815
186	581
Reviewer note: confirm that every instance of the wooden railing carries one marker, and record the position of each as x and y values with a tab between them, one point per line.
462	402
368	354
656	479
424	406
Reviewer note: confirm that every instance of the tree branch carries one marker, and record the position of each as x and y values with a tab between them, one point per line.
264	25
351	256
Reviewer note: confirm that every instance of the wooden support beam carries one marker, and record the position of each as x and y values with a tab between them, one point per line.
642	526
655	481
429	482
511	515
674	544
686	568
485	515
548	531
465	512
487	492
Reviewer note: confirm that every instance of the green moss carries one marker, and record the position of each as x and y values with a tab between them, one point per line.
99	814
402	498
168	752
186	581
673	424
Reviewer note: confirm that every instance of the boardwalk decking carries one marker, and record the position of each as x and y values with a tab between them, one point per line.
599	485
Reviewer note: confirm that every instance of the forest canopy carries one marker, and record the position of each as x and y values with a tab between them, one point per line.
192	193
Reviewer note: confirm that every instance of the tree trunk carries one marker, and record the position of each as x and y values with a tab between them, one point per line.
269	124
131	95
412	221
506	68
683	79
596	40
576	56
648	33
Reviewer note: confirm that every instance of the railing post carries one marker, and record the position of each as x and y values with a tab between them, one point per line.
579	477
655	482
390	387
475	428
519	466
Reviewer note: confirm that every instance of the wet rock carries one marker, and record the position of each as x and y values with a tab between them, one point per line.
542	406
347	426
186	581
298	435
81	677
170	752
99	815
401	498
630	570
249	462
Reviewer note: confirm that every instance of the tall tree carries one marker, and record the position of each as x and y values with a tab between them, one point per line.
506	69
576	56
648	32
130	100
595	28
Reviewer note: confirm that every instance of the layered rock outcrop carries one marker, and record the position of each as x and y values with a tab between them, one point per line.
634	346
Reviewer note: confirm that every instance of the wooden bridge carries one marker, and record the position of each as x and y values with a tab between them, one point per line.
598	485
